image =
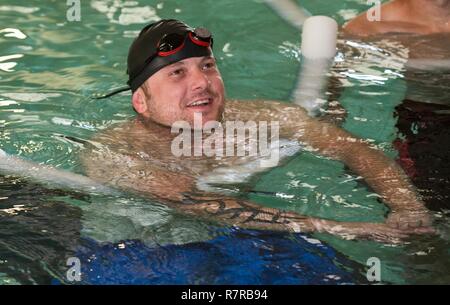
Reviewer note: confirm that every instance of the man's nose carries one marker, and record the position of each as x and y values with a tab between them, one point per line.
199	80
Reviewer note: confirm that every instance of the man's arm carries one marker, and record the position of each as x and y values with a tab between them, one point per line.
382	174
178	191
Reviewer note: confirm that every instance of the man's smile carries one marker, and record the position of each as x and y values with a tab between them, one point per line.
201	103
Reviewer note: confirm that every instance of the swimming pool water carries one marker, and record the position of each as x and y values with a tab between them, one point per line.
49	68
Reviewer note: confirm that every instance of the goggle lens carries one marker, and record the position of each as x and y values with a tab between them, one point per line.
171	43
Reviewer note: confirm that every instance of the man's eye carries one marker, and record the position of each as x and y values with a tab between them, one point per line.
177	72
209	65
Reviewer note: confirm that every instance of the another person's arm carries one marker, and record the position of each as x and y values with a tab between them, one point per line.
394	18
362	27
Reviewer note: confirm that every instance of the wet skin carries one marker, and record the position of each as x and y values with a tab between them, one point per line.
136	156
404	16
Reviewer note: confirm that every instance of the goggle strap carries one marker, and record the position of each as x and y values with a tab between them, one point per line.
97	97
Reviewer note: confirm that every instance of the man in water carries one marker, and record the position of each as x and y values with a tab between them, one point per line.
174	77
423	29
405	16
421	26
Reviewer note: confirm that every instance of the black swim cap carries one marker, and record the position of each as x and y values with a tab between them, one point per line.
142	62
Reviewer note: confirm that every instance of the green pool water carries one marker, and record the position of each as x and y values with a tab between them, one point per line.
55	66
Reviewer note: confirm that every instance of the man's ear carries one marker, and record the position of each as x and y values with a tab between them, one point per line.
139	101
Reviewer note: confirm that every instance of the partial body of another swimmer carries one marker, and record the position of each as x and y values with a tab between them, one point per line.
422	26
405	16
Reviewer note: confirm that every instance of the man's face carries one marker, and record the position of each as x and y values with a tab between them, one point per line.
177	91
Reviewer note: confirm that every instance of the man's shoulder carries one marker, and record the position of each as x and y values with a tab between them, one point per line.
117	129
106	143
124	135
261	109
252	103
